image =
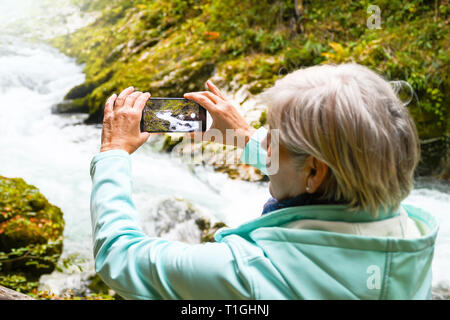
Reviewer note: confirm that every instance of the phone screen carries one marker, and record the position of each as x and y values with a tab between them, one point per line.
173	115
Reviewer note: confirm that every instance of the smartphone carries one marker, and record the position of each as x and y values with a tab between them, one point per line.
173	115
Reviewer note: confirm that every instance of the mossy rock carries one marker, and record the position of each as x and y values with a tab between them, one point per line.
171	141
435	158
81	90
31	234
71	106
208	230
172	47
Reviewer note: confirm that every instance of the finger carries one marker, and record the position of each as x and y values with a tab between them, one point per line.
110	104
131	99
122	97
211	96
201	100
140	103
214	89
214	99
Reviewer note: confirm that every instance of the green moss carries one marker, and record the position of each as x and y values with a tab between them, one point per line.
171	141
208	230
31	234
172	47
71	106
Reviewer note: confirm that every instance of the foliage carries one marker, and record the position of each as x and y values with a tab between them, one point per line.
30	235
45	295
208	230
18	282
172	47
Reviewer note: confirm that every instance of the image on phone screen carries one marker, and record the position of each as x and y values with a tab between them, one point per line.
173	115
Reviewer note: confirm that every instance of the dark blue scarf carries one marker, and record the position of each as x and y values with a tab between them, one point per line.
304	199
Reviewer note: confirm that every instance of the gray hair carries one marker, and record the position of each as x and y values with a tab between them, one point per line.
352	119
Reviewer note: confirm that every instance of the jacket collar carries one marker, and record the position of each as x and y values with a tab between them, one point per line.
315	212
304	199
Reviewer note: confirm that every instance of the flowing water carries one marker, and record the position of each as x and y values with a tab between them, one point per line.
53	152
179	124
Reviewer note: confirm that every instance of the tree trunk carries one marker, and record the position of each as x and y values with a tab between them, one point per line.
297	20
437	4
8	294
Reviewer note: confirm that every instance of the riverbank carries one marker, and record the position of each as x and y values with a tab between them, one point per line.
173	47
53	152
31	232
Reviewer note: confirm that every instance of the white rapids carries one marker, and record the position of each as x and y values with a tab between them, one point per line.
53	152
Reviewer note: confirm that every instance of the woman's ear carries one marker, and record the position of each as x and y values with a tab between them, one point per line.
316	171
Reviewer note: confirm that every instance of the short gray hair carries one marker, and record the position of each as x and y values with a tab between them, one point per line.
352	119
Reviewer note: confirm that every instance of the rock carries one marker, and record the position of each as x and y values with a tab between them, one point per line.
31	234
71	106
208	231
81	91
8	294
242	172
222	158
191	77
179	220
165	142
171	141
441	292
435	158
98	286
63	283
154	48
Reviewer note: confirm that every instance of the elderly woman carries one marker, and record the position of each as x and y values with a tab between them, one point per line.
346	149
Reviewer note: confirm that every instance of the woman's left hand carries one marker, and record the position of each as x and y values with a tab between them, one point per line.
121	123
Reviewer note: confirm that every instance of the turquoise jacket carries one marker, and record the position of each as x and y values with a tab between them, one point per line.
261	259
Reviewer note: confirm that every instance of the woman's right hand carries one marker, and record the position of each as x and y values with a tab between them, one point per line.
225	116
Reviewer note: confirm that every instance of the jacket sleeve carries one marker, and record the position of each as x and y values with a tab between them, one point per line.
137	266
254	154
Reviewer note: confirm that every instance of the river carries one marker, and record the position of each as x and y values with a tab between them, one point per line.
53	152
